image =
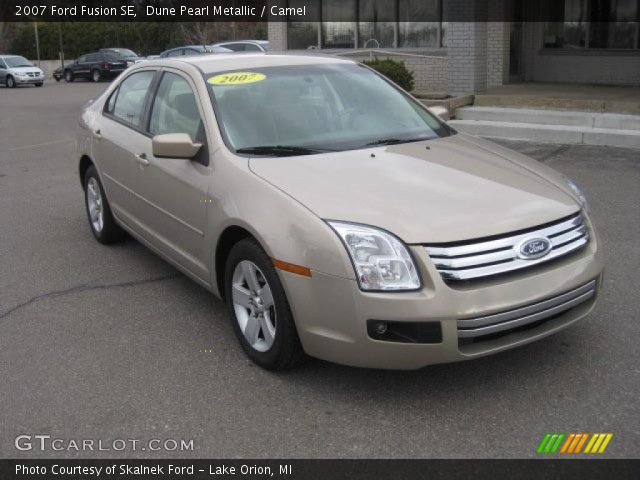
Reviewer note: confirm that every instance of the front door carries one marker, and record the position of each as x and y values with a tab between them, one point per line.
174	190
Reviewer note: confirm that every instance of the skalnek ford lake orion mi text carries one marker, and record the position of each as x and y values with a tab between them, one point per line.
129	470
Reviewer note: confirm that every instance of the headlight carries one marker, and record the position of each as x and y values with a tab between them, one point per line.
577	192
381	261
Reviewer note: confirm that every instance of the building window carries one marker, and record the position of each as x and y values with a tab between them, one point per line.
303	35
369	24
340	32
376	27
612	24
419	34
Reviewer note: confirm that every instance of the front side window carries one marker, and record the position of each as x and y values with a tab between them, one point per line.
129	101
175	109
323	107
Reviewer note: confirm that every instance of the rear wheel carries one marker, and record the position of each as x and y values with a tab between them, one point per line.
39	84
259	309
103	226
68	76
96	76
11	82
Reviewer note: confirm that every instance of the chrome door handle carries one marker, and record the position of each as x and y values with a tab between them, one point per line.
142	159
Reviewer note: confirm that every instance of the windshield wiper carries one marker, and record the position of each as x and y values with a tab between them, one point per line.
280	150
395	141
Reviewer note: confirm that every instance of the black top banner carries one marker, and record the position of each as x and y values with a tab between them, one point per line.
282	10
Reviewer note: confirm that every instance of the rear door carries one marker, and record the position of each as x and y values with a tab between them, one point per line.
117	142
3	70
174	190
91	60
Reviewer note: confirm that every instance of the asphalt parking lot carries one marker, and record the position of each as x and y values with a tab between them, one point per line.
113	343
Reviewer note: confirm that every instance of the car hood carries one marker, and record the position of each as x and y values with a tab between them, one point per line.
443	190
25	69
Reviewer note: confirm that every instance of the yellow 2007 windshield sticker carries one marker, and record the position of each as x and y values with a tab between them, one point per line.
237	78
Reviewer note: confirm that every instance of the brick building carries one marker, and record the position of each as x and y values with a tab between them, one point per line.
581	41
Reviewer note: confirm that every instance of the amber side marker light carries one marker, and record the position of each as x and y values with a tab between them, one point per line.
291	267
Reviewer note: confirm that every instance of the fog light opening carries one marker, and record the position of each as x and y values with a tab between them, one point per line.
381	328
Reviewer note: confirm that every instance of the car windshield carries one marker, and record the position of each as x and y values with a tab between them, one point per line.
14	62
306	109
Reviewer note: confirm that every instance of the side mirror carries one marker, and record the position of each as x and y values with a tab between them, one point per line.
174	145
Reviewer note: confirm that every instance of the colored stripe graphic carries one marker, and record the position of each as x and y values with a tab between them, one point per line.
598	443
573	443
550	443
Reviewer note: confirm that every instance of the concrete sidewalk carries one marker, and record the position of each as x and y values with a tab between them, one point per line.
563	96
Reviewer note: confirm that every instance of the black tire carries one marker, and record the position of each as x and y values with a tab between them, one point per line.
286	351
111	231
68	76
39	84
10	82
96	76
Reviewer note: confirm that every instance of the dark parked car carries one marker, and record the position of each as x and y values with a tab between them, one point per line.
58	74
125	54
95	66
193	50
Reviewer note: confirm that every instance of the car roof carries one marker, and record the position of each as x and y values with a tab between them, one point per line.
229	61
259	42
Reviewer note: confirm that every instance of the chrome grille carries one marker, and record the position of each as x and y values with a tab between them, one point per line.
486	258
504	321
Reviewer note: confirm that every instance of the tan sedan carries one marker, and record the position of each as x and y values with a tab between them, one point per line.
335	215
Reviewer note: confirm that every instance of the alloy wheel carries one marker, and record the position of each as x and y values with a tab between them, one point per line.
94	203
253	305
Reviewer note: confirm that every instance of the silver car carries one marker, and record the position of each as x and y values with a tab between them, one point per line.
16	70
334	213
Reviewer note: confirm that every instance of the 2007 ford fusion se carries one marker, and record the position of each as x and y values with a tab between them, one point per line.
335	215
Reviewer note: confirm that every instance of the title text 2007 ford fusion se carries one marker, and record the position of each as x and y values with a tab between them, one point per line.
335	215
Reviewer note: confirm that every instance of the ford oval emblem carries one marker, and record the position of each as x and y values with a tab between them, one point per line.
532	248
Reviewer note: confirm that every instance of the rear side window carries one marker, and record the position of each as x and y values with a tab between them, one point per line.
129	101
176	53
175	109
250	47
236	47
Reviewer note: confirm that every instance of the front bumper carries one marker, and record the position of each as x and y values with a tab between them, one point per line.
28	80
332	312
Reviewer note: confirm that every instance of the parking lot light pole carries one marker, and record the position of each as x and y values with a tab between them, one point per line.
35	28
61	46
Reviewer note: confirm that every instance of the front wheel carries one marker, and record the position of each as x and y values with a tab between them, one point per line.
259	309
11	82
103	226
